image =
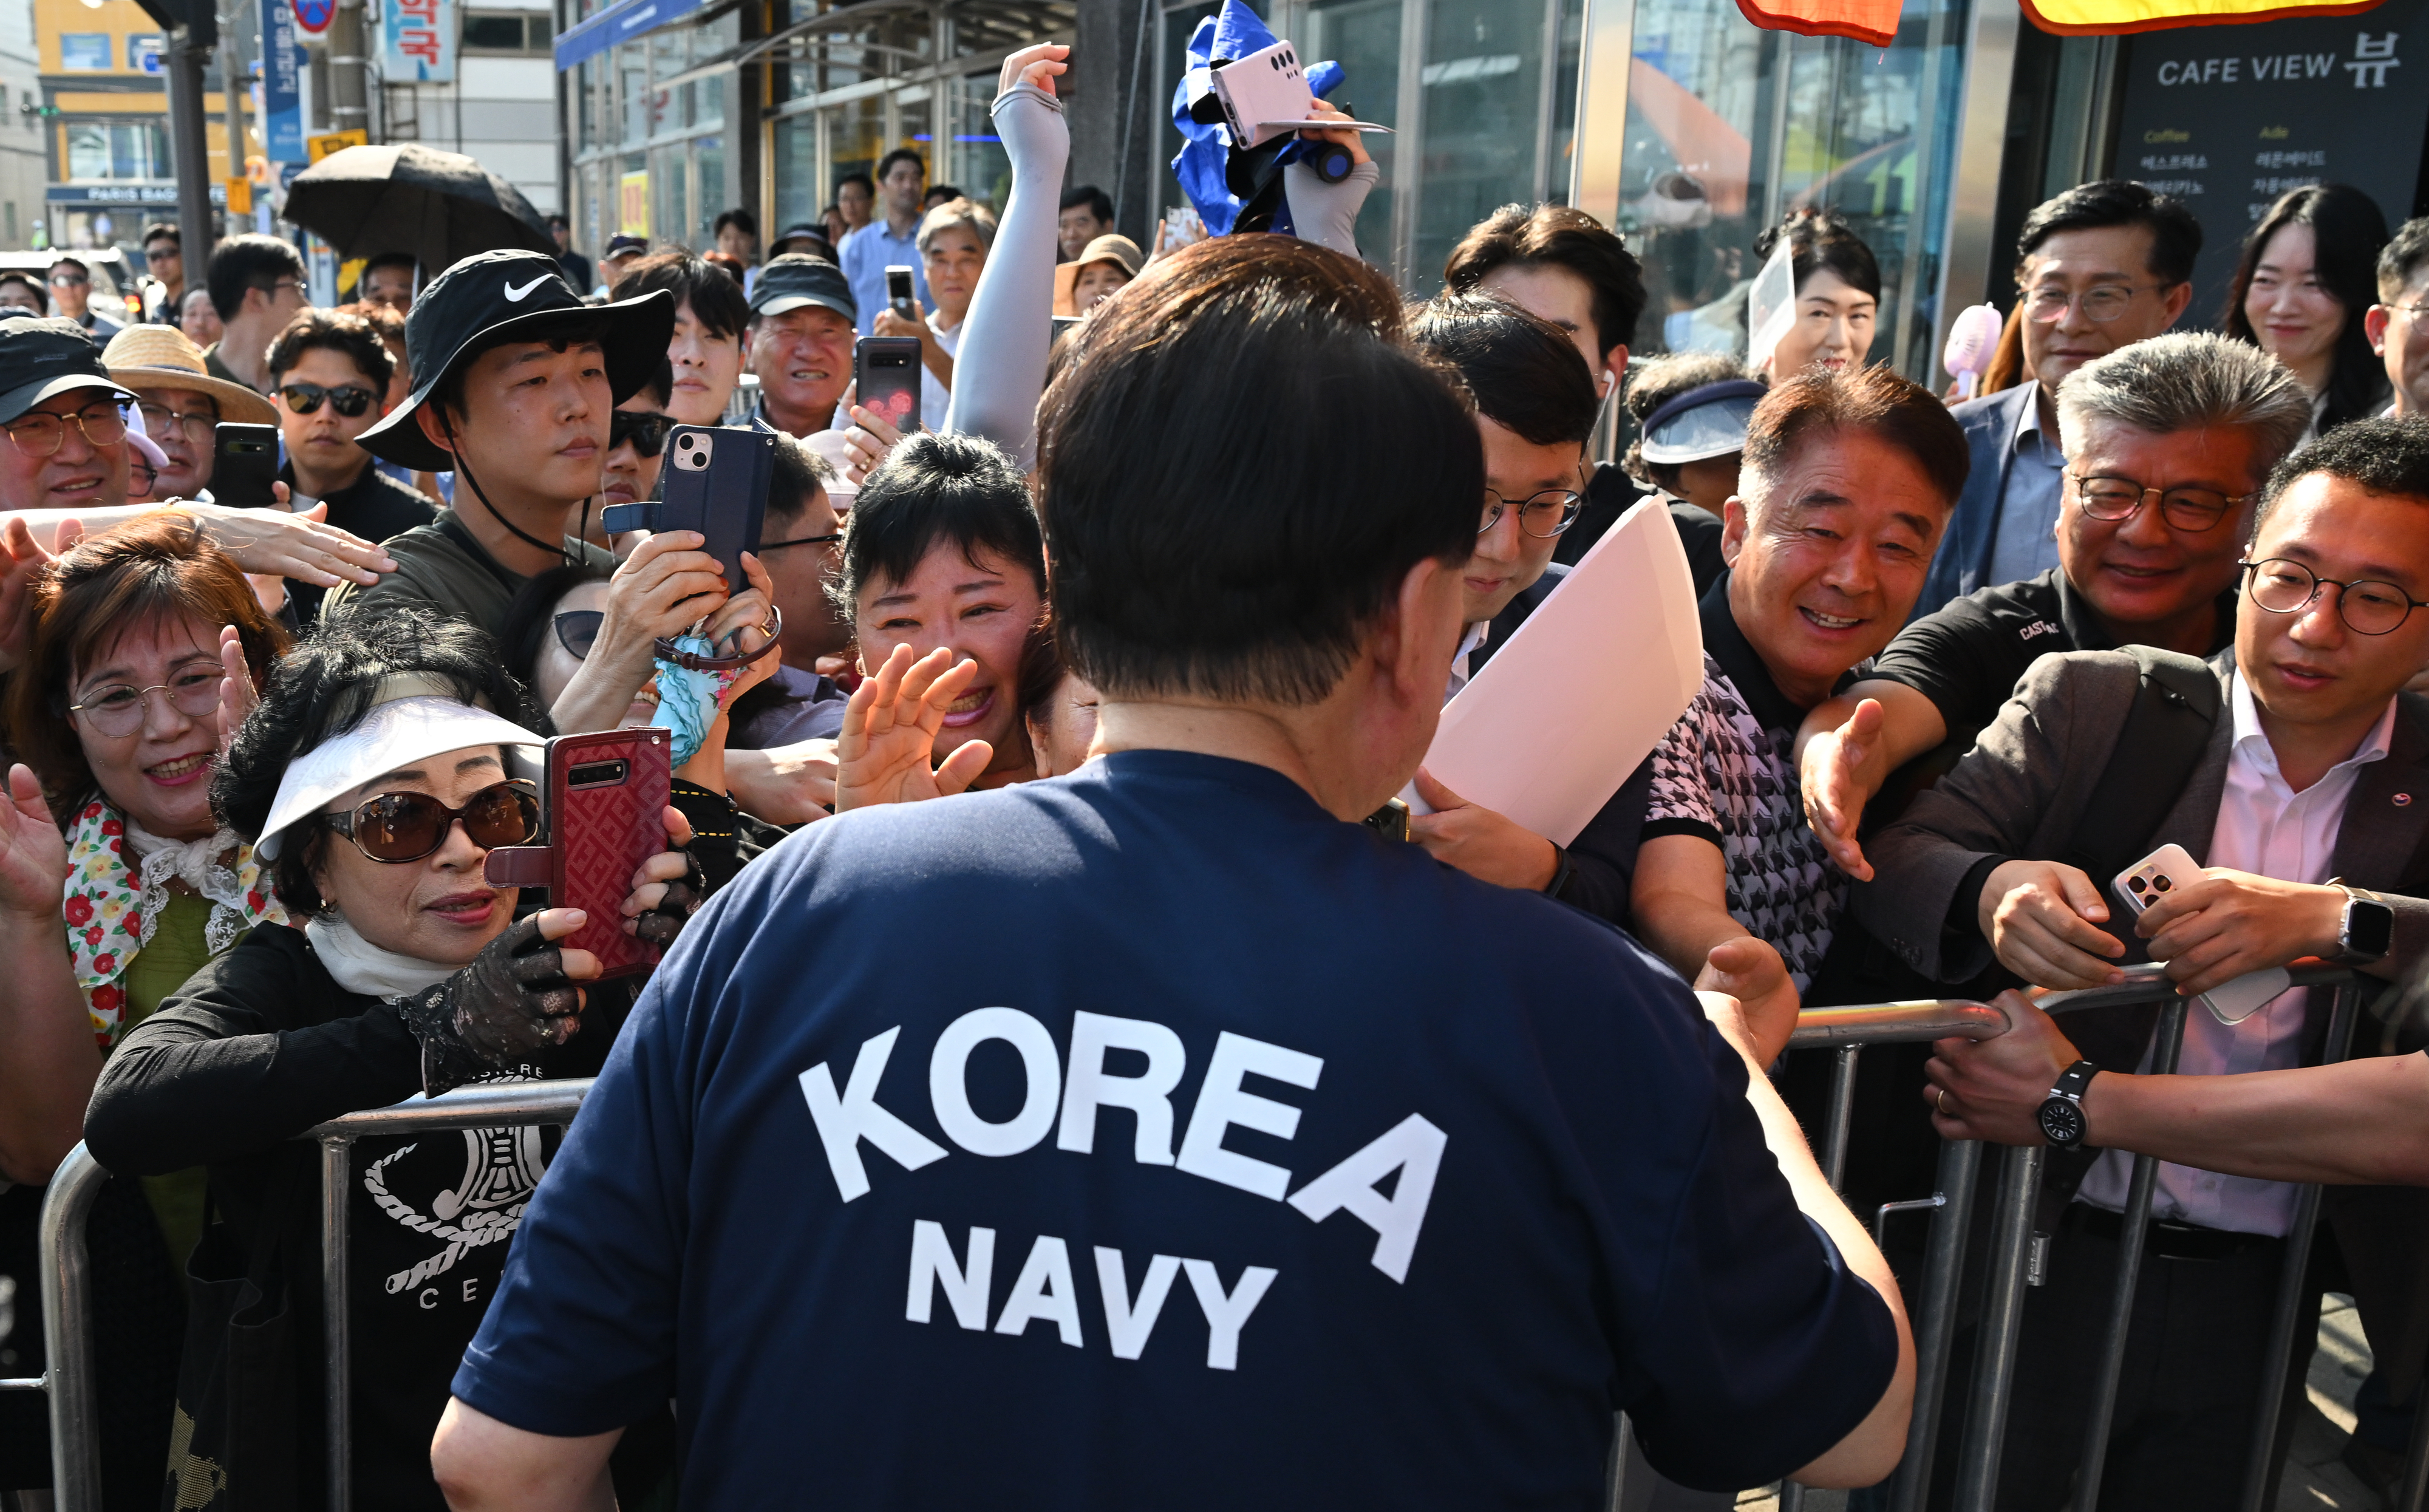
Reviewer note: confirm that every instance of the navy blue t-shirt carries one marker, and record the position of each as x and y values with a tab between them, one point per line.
1151	1137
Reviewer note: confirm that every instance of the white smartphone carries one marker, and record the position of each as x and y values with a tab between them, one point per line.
2162	872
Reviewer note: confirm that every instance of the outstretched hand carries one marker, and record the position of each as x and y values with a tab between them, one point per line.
21	558
236	694
1993	1089
890	733
1034	65
1840	772
1751	970
33	853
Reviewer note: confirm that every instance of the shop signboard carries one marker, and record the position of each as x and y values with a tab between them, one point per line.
417	41
282	84
2228	118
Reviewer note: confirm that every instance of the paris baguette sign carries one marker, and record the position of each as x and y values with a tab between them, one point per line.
1876	21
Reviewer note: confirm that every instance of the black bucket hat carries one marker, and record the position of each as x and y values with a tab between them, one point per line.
41	358
495	297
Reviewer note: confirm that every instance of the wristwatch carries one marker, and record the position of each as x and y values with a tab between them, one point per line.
2367	931
2061	1113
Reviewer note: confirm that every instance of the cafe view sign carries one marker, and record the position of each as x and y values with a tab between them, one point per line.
1876	21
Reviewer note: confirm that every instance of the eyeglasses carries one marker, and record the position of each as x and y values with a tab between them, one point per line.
2100	305
2115	498
117	708
163	424
2367	607
162	254
577	631
402	826
141	476
766	547
69	280
272	288
346	398
39	432
647	432
1542	515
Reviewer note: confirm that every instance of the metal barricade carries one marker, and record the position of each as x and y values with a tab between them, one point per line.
67	1300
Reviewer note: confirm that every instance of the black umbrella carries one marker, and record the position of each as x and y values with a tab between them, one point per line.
436	206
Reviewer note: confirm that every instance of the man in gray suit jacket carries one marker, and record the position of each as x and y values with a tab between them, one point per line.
2101	267
2314	787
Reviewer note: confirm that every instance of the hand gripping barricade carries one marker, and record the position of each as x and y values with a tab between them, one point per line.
67	1299
75	1454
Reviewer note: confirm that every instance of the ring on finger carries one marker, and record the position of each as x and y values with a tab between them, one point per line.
1940	1102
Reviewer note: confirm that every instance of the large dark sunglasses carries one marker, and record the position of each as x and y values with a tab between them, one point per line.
577	631
402	826
647	432
766	547
345	399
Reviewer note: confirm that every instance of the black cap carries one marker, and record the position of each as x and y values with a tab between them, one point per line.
494	296
797	280
622	242
41	358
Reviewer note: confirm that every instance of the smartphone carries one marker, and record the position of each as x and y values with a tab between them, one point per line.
887	368
606	796
1063	325
244	463
714	480
2162	872
900	295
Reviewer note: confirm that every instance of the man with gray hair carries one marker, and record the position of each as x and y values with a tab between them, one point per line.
2169	441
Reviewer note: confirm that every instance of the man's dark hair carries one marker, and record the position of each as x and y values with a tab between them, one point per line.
2175	235
857	177
2382	455
1871	401
1235	540
31	280
899	155
1556	235
715	298
737	217
348	335
161	230
795	480
1654	384
1519	369
323	688
392	259
1100	204
557	219
2403	260
249	261
1820	241
2347	231
940	195
937	490
660	385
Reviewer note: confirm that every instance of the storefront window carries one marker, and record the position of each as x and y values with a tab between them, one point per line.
1731	127
708	178
1364	35
978	162
117	149
1483	81
793	163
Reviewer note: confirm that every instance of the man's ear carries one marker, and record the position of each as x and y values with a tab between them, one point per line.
427	418
1614	368
2374	325
1418	633
1735	524
2175	300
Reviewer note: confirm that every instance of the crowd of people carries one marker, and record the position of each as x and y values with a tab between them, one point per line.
1123	630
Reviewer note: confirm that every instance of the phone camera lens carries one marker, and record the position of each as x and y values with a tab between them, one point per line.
2135	883
2159	884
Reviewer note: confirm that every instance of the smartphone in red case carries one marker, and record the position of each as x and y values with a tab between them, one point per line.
606	796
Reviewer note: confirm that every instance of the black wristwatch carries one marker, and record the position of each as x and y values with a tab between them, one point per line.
2367	931
2061	1113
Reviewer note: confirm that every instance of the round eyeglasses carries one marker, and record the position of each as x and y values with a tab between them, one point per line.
38	433
402	826
117	708
2368	607
2101	304
162	423
1542	515
2108	498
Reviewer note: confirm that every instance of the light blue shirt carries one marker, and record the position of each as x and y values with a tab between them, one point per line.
2026	541
866	257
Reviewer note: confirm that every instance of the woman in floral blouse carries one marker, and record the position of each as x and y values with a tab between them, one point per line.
116	884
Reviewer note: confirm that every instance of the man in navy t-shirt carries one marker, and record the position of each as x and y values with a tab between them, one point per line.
1155	1136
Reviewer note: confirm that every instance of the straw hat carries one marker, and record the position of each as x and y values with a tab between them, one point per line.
162	357
1120	251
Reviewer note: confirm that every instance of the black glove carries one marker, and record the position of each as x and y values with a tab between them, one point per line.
685	895
513	999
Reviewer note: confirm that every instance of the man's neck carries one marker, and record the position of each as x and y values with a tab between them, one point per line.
2306	752
902	225
1262	737
313	483
246	352
543	519
795	422
2194	633
2046	402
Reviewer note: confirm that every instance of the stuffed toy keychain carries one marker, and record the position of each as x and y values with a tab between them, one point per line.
693	680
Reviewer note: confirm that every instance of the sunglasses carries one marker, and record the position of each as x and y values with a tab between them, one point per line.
346	398
647	432
577	631
766	547
402	826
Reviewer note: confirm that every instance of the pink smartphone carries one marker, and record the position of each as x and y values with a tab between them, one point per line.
2162	872
606	800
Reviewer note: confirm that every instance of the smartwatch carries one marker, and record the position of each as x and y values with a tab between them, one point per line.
2061	1112
2367	931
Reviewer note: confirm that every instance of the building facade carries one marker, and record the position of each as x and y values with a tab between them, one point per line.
502	106
103	115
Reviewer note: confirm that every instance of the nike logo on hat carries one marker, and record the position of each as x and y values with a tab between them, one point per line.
514	296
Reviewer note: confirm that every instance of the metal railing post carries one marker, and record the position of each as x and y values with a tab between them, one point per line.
1994	1362
2291	1283
1842	1112
1961	1162
2168	1047
67	1332
336	1162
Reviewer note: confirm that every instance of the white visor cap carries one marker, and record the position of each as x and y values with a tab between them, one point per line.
394	733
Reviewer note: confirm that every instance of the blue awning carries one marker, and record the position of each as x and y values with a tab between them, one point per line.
619	22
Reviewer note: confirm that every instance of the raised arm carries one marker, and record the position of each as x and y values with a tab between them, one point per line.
1001	373
1327	214
1845	752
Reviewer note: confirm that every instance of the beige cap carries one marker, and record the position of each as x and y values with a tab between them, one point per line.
162	356
1118	249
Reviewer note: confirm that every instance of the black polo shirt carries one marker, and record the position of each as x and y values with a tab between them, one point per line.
1968	657
375	507
1610	493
